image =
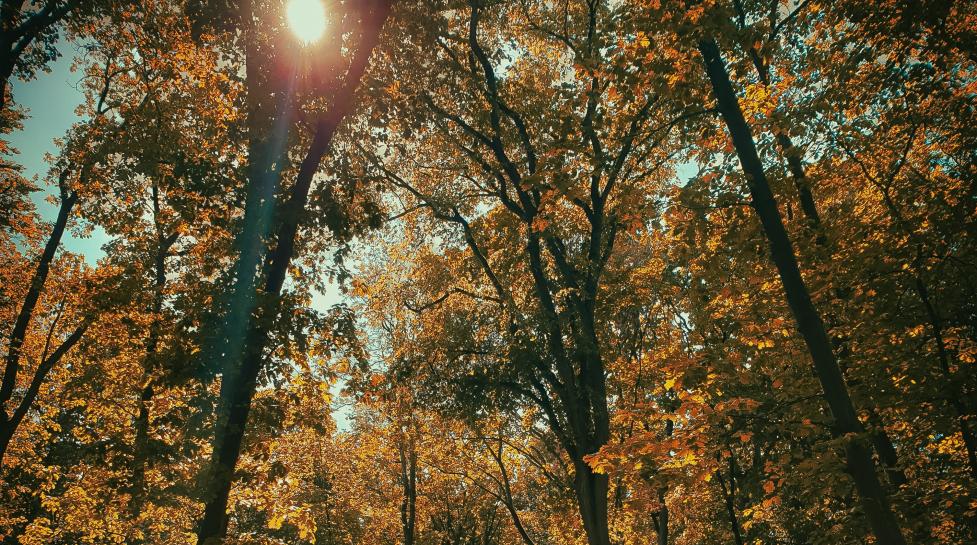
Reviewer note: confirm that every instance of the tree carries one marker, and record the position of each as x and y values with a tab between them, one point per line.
242	358
504	168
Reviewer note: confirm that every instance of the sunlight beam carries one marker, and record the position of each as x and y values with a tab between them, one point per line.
307	19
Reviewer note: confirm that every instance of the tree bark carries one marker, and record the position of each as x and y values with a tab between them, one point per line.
507	499
240	374
661	520
141	455
19	331
8	426
591	492
957	394
881	441
16	35
874	500
729	501
408	475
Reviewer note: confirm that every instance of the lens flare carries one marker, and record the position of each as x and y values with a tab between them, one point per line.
307	19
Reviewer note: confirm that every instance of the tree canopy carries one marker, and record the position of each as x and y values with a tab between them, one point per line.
493	272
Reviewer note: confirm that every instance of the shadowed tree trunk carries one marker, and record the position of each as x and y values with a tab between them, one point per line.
408	477
881	441
505	484
860	465
241	373
12	363
729	497
660	517
142	457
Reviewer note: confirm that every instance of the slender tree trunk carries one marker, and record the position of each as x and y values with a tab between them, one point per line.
141	445
507	499
240	375
19	331
881	441
141	455
874	500
660	517
408	475
9	425
957	394
729	501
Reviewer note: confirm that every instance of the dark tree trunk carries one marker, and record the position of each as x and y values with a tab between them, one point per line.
8	423
17	34
729	501
957	394
583	397
408	476
883	445
241	374
507	499
860	466
591	491
142	457
661	519
8	426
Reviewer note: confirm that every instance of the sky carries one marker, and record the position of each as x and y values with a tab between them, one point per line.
50	101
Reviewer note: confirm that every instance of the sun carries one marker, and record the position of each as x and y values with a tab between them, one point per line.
307	19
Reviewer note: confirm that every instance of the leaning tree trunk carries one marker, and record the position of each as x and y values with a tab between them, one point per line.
860	465
881	441
241	374
8	422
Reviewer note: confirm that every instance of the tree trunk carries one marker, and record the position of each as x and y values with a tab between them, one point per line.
8	426
19	331
408	475
881	441
591	491
241	374
729	501
957	394
141	454
874	500
510	504
18	34
660	519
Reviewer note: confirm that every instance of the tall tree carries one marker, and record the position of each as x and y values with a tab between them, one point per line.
253	311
